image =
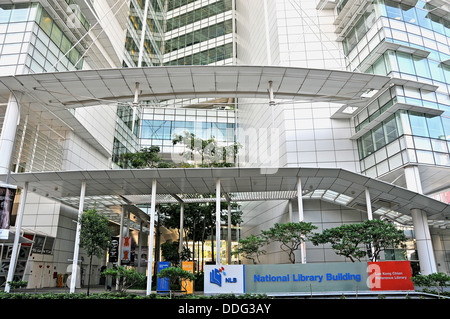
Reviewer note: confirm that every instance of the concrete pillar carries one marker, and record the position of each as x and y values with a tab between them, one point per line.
8	134
151	238
218	222
180	247
119	259
229	235
424	245
301	217
77	239
140	246
425	251
368	204
15	251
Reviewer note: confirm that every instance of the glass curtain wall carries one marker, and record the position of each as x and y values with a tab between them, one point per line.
424	137
31	41
198	32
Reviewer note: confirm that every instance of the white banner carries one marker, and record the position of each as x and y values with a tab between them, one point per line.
220	279
7	193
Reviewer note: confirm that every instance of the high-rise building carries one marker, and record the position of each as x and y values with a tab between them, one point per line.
55	36
399	135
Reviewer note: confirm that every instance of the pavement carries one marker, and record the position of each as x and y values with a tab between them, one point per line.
92	290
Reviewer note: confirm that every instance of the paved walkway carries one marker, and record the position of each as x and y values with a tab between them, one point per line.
92	290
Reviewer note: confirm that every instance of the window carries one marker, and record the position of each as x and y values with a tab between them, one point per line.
367	144
405	63
390	129
393	11
435	127
421	66
378	136
20	13
418	124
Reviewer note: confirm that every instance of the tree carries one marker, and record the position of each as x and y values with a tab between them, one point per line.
130	277
148	157
206	153
169	251
95	236
250	247
177	277
352	240
381	235
291	236
438	280
199	220
346	241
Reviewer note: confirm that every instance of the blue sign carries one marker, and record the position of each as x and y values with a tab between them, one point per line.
163	283
215	277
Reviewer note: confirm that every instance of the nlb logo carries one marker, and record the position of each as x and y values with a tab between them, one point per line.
215	277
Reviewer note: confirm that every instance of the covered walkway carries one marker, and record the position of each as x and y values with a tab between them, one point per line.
109	189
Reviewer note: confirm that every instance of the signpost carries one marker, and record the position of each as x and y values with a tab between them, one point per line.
163	283
308	278
188	284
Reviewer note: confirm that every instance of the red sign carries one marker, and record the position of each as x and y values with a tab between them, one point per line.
126	250
390	275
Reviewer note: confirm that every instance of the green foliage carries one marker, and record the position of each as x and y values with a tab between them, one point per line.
169	251
251	247
345	241
436	280
290	235
130	277
148	157
199	219
18	284
176	275
113	295
95	235
352	240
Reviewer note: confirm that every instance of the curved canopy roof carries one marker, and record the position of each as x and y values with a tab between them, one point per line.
112	188
91	87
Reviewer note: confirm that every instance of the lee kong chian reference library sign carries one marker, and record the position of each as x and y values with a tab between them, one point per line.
382	276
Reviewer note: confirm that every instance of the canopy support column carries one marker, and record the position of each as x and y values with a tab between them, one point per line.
140	246
427	260
218	222
301	216
229	234
151	239
369	217
180	246
77	239
8	133
368	204
15	251
424	245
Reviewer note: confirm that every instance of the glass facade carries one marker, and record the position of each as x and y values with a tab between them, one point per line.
31	42
153	42
410	43
126	135
199	33
160	126
189	32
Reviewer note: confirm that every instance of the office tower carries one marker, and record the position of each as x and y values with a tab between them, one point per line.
55	36
401	135
187	33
